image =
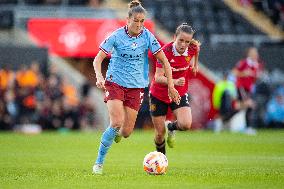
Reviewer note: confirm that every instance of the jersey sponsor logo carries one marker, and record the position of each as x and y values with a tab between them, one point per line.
172	61
179	69
132	56
155	42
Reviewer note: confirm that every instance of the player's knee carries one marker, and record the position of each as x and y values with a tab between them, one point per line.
126	132
160	137
117	124
184	125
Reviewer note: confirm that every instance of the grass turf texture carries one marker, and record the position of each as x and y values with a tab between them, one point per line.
200	160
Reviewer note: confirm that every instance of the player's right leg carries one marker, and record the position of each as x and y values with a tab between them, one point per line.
158	110
116	114
160	131
132	102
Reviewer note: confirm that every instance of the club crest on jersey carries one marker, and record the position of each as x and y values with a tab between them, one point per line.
187	59
153	107
134	45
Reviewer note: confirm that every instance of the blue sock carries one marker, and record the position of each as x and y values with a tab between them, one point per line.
106	142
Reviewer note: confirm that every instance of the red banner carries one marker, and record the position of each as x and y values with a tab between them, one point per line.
200	89
74	37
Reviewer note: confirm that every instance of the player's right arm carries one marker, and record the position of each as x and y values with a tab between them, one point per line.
105	48
97	63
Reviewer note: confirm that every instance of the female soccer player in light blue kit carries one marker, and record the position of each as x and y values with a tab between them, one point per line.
127	76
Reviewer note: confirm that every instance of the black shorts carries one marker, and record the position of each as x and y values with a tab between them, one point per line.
243	94
160	108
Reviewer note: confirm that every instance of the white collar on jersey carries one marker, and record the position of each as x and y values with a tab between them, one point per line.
176	53
251	62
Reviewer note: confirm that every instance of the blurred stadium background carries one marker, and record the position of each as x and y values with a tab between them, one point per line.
47	83
47	48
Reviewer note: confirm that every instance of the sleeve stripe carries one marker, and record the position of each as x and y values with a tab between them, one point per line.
104	50
157	51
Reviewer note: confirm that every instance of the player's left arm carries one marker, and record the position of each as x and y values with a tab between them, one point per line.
160	76
173	93
196	43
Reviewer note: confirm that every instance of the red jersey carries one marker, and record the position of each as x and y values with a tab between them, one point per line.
180	65
248	82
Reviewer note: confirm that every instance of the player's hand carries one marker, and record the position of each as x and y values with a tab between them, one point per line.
173	95
100	82
196	43
247	73
179	81
195	69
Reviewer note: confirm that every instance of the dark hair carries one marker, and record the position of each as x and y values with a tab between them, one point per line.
184	27
135	7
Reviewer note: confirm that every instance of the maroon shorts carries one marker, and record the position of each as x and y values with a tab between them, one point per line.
131	97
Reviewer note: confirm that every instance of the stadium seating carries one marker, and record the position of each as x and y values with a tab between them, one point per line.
273	9
6	19
207	17
45	2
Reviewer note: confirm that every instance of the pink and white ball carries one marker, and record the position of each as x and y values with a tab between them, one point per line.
155	163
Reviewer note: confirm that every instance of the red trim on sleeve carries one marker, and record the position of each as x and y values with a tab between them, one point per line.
157	51
104	50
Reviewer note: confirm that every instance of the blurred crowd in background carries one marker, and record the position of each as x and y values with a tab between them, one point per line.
248	88
91	3
29	96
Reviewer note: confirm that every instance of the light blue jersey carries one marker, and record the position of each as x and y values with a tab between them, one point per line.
128	65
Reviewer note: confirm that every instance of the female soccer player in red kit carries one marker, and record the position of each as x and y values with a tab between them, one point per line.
247	72
182	55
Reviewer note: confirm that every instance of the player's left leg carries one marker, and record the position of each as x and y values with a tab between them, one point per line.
115	110
129	122
183	122
160	131
158	110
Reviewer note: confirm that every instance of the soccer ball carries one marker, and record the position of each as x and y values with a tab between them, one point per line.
155	163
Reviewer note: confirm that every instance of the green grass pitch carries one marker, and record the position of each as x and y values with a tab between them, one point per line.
201	159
